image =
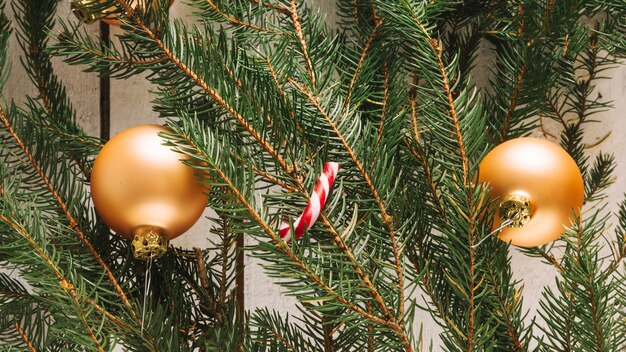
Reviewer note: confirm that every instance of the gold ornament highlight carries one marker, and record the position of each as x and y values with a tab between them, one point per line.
143	191
538	186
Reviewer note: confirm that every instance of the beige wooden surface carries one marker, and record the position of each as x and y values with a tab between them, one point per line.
131	105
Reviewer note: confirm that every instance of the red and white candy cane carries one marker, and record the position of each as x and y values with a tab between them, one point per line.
315	205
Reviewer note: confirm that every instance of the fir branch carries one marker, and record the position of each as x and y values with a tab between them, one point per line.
383	112
196	78
387	220
64	284
257	136
280	245
586	282
429	177
73	223
505	309
295	21
437	51
112	318
359	66
233	20
327	224
272	332
286	102
514	96
38	65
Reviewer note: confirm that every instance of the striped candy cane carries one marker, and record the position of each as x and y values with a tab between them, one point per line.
315	205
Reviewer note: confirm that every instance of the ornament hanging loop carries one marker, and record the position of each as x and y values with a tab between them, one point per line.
504	224
149	243
516	208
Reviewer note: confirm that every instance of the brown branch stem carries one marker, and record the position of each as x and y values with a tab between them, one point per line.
73	223
295	20
68	288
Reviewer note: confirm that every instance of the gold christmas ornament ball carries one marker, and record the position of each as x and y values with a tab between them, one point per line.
143	191
80	9
538	186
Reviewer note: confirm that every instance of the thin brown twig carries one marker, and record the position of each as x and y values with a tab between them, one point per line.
263	174
430	292
437	50
429	178
548	15
520	16
420	156
619	257
292	115
84	168
25	338
517	345
280	9
597	325
15	293
375	17
599	141
357	267
359	65
68	135
556	111
514	96
226	247
327	327
452	111
108	315
543	130
383	114
295	20
550	258
202	274
118	60
284	341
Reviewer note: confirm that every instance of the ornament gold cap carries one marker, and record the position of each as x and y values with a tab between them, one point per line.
80	10
149	242
517	209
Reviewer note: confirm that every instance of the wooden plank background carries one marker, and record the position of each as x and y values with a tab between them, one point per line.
130	104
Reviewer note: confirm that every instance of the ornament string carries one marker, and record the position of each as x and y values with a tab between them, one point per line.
146	283
504	224
315	205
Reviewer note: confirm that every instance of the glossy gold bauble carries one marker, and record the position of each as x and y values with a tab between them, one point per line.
537	185
143	191
79	8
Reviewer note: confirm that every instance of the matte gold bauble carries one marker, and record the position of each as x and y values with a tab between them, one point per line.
538	187
143	191
80	9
